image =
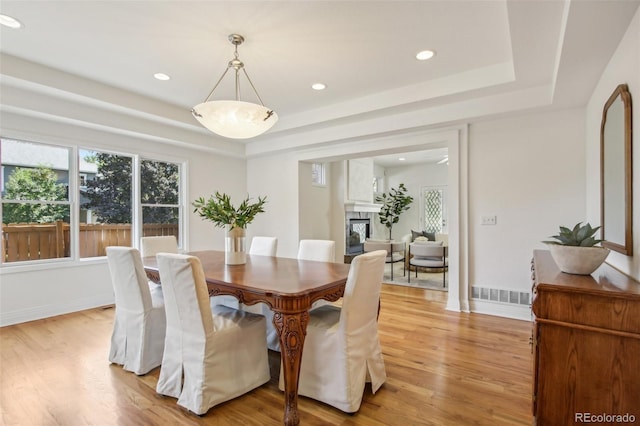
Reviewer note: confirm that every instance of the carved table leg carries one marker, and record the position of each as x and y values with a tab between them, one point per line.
292	328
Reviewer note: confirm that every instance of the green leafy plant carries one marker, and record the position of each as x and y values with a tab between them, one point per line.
38	183
580	236
394	204
219	210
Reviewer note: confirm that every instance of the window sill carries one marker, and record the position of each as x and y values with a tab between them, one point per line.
31	266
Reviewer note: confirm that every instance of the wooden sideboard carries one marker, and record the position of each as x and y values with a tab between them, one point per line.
586	340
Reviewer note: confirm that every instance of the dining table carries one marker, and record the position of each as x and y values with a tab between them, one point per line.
288	286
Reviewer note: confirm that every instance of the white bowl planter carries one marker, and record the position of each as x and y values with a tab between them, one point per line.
578	260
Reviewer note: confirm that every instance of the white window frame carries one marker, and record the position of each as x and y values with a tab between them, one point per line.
181	197
321	174
73	201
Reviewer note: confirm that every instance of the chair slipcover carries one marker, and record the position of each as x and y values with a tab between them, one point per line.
320	250
137	341
317	250
212	354
342	350
395	251
428	255
264	246
150	246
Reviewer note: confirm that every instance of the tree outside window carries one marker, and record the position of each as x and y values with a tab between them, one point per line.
108	195
160	198
37	184
36	209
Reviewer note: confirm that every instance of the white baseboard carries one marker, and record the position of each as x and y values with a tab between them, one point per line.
46	311
507	310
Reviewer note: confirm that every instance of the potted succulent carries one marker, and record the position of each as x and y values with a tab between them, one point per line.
575	249
219	210
393	205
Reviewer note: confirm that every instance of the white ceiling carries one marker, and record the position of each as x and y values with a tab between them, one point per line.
493	57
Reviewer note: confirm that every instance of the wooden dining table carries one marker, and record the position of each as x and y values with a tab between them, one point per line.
288	286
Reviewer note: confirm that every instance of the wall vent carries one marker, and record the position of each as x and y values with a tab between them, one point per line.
501	295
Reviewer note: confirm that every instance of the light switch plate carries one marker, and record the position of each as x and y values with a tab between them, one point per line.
489	220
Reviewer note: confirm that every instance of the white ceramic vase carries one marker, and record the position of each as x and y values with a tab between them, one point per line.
235	251
578	260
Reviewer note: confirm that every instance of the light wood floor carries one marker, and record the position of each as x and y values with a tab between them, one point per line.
444	368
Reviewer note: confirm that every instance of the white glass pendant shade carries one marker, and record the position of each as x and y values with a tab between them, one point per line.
235	119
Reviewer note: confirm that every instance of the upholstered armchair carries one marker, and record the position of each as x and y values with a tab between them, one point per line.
430	255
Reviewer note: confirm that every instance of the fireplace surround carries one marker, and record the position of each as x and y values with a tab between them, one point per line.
358	230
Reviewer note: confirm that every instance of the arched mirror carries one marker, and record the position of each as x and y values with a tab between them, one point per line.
616	172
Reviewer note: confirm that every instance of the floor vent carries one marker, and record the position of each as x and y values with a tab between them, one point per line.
501	295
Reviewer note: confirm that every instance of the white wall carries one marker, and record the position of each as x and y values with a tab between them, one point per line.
277	175
338	196
315	205
414	178
360	178
277	178
28	292
517	170
529	171
624	67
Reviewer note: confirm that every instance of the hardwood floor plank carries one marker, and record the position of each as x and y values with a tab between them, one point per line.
443	368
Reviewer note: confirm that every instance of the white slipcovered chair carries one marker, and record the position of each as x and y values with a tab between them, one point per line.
150	246
212	354
395	251
137	341
320	250
316	250
430	254
346	339
264	246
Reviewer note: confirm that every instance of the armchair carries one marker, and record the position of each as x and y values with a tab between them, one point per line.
428	255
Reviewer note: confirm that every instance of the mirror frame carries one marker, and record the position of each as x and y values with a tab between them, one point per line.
626	246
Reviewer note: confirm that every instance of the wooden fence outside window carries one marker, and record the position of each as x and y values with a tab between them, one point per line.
33	241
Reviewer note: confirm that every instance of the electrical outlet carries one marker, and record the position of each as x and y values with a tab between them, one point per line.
489	220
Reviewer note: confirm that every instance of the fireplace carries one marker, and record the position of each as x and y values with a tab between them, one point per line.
358	230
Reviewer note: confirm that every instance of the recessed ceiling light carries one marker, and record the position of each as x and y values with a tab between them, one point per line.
318	86
10	22
425	54
161	76
401	159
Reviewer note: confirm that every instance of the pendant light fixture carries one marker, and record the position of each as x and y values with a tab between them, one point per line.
234	118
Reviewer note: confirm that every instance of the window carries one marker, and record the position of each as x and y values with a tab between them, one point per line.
434	208
318	176
160	198
53	207
105	202
36	209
